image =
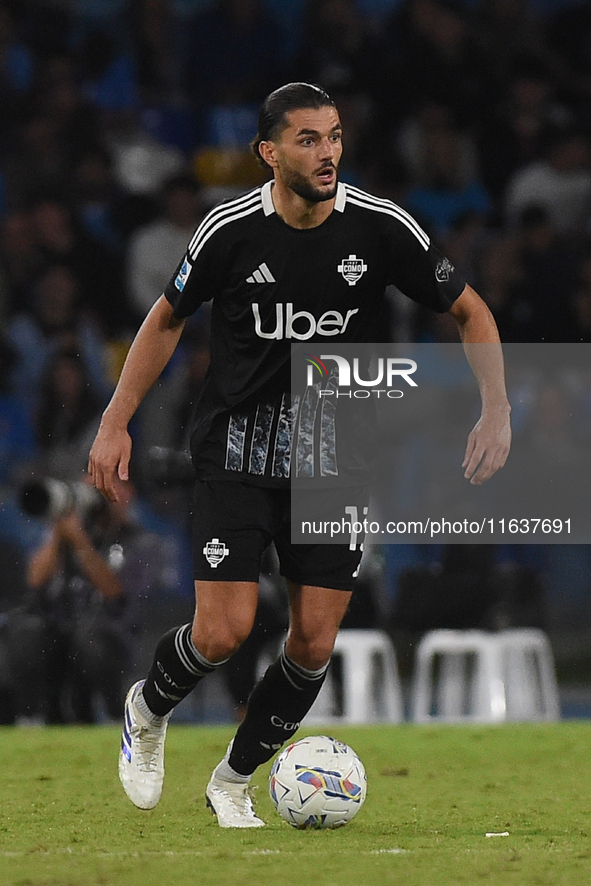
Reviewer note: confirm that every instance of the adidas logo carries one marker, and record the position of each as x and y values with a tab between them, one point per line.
261	275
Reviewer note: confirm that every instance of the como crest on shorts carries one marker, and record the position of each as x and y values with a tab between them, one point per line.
215	551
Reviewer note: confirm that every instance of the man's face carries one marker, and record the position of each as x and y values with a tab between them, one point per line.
307	153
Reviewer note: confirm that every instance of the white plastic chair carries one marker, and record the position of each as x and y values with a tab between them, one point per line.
369	688
484	677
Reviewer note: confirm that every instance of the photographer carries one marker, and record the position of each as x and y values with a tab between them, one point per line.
73	633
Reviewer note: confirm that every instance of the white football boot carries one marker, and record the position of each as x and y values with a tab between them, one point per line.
141	758
231	802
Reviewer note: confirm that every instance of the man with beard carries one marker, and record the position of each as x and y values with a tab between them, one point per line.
303	258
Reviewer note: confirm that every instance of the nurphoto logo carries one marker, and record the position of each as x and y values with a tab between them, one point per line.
347	372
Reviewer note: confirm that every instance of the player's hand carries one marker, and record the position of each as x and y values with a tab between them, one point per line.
488	446
108	462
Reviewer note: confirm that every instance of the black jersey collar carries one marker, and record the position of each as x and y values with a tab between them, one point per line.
269	208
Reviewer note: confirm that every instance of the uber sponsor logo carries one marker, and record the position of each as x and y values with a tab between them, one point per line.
330	323
215	551
183	275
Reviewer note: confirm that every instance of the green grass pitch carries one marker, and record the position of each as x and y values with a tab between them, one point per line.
434	793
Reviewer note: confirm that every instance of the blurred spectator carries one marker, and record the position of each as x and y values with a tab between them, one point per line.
47	25
58	320
98	13
59	123
339	50
536	303
97	268
568	34
17	67
17	64
39	161
464	244
68	416
500	273
154	248
553	433
141	162
20	263
60	97
516	132
441	159
420	132
582	300
436	59
560	182
163	422
507	31
73	644
234	54
550	461
197	365
108	73
97	198
155	49
69	644
466	587
108	70
17	441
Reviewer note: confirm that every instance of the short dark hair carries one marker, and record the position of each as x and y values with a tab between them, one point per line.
291	97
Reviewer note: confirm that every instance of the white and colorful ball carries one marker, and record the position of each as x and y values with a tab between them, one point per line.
318	782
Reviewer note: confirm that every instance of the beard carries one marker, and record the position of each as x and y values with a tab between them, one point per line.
301	186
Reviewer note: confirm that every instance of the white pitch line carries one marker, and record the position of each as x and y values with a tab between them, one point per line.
185	853
266	852
386	852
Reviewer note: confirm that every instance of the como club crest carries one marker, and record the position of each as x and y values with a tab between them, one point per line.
215	551
352	269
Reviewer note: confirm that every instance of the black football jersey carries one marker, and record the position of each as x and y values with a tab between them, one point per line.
273	286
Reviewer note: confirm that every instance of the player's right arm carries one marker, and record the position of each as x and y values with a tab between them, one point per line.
150	351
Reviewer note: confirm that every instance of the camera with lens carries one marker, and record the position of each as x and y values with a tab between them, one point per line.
53	499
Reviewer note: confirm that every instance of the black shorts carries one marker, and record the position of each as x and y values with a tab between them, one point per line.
234	522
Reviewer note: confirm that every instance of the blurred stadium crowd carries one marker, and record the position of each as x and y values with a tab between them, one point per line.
123	121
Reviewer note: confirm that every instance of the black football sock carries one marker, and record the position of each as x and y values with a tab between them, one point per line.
176	669
276	706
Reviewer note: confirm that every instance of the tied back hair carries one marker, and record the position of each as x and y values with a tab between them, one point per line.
277	105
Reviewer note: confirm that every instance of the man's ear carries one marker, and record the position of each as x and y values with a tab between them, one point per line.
268	152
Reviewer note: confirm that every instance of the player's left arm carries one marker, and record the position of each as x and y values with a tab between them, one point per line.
490	439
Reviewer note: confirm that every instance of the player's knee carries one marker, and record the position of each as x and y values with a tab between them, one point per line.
310	651
218	645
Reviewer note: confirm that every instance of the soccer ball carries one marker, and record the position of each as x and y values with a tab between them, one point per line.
318	782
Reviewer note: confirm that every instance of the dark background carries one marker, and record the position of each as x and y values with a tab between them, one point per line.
123	121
